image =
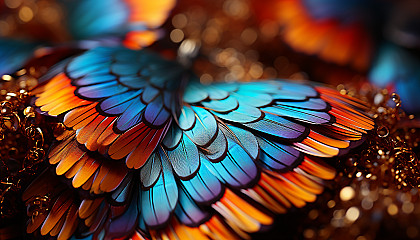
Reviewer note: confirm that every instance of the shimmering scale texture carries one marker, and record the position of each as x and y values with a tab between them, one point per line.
163	153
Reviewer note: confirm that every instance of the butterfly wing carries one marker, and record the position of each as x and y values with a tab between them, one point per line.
220	158
258	148
52	207
117	100
259	144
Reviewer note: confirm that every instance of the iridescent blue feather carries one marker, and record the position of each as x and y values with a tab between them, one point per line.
191	144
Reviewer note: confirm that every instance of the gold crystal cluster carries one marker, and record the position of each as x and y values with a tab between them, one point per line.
22	144
375	195
389	158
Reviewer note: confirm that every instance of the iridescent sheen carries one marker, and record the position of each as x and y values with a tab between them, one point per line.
162	154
